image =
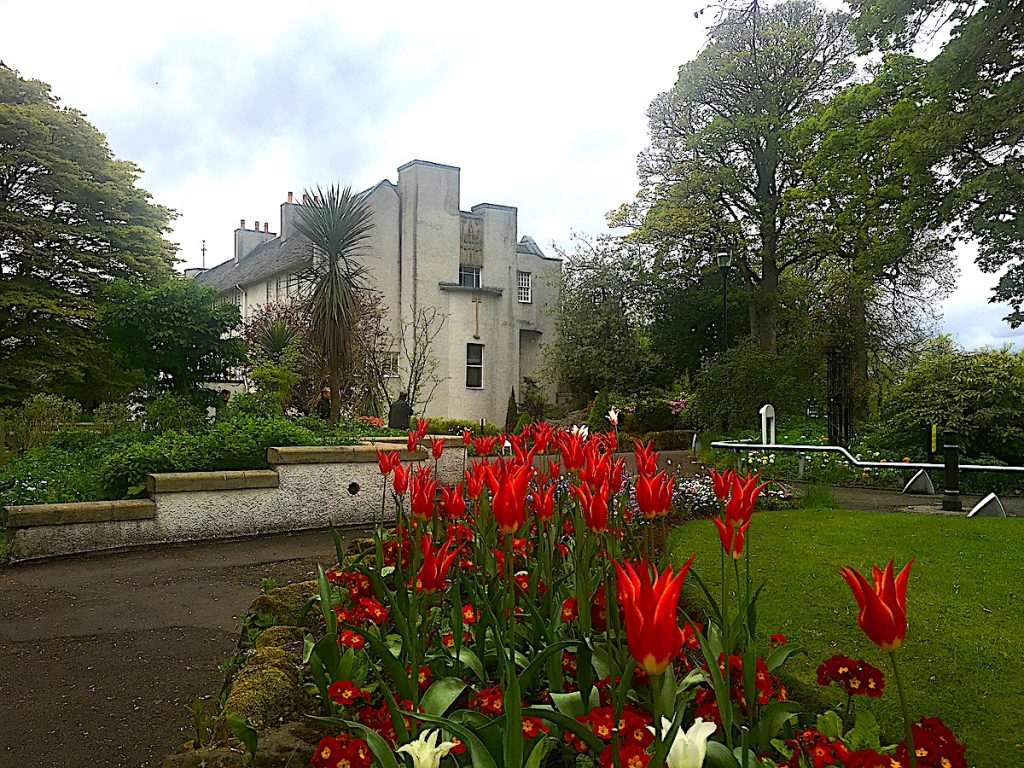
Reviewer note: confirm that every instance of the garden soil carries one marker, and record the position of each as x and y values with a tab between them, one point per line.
101	655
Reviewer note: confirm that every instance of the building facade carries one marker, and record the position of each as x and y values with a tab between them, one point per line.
498	293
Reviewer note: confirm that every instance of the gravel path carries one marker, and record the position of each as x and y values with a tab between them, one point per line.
101	655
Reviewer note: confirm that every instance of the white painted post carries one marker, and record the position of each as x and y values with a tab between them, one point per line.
767	424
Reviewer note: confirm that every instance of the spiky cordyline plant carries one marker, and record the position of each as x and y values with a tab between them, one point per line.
337	223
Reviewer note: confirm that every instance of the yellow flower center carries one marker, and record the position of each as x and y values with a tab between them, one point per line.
325	753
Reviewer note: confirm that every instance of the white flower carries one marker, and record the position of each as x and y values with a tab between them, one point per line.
425	751
688	749
613	416
583	430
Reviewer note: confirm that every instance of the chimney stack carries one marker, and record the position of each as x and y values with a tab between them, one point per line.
305	199
257	227
290	198
242	224
266	226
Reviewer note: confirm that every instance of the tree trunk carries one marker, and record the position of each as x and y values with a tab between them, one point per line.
335	395
764	316
859	355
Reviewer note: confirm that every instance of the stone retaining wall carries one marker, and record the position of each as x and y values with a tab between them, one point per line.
307	487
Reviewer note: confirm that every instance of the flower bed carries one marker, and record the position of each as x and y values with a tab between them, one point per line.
523	617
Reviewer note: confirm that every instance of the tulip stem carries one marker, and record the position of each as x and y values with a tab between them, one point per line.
911	752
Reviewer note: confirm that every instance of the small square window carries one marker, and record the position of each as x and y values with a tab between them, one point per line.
525	285
469	276
474	366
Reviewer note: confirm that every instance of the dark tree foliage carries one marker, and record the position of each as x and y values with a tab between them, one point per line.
72	220
174	335
970	115
602	340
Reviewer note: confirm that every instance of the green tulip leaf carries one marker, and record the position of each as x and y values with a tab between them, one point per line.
441	695
719	756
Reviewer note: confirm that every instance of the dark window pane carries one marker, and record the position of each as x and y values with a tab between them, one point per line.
474	377
474	354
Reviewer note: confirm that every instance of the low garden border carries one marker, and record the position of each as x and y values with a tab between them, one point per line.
306	488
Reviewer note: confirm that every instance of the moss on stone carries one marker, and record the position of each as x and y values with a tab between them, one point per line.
267	688
287	604
289	638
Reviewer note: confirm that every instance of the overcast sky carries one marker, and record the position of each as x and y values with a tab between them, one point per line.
229	106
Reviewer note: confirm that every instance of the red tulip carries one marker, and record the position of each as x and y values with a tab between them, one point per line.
651	612
484	445
731	537
654	494
615	476
386	462
722	481
475	480
436	447
594	505
646	458
883	605
411	441
509	483
467	436
423	496
542	433
742	498
454	501
572	449
421	427
433	573
400	481
543	503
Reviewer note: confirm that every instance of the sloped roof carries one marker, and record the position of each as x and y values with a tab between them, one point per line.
267	259
528	245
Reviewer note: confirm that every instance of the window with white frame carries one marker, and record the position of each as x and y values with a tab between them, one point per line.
390	364
469	276
292	286
474	366
525	285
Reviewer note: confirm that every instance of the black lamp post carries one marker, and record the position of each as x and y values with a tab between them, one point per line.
724	262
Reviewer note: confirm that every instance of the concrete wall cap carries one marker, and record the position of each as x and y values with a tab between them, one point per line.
30	515
335	454
171	482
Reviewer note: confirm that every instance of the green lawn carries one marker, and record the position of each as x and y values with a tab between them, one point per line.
963	659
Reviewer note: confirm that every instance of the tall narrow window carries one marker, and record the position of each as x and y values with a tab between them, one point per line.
525	288
293	284
469	276
474	366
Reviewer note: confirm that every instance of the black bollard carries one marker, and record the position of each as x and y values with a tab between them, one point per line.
951	456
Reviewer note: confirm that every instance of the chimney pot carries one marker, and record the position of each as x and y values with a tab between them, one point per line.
266	227
291	198
305	199
242	224
257	227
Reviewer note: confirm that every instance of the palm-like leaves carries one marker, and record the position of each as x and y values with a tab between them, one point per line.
337	223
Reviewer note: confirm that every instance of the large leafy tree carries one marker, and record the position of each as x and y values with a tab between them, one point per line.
867	211
337	223
602	341
721	159
72	220
971	110
175	335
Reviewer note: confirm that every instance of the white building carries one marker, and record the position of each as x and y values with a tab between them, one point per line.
498	293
